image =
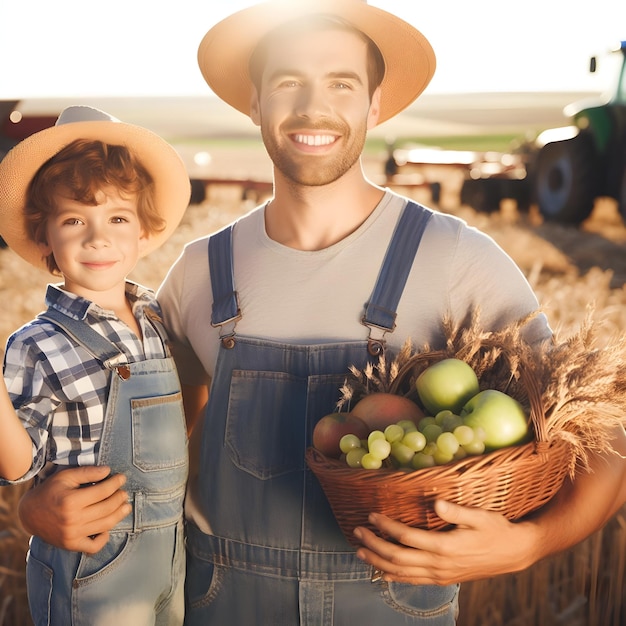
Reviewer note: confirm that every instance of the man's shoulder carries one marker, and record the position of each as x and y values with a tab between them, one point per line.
439	219
393	199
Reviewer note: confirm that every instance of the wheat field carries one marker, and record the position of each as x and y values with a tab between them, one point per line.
569	269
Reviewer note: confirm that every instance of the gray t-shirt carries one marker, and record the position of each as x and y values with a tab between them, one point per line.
315	297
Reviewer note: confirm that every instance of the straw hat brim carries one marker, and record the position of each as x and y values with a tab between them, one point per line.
225	50
172	184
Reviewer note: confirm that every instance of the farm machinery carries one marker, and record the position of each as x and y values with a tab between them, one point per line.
567	168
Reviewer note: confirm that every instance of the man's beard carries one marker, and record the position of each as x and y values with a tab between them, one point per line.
311	170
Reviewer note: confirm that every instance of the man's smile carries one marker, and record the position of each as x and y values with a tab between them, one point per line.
314	140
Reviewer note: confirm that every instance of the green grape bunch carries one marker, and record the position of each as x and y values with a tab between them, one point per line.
436	440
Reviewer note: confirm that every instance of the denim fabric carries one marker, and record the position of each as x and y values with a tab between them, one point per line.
138	578
275	555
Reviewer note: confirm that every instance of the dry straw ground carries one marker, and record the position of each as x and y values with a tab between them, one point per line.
569	269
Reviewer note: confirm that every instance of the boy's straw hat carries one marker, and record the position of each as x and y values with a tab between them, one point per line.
172	185
225	51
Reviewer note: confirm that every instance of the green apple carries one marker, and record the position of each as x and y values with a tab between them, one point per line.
501	417
446	385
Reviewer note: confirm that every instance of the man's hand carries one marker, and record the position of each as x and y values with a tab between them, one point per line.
482	544
66	513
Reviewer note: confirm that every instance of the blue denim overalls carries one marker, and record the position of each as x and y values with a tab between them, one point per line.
138	577
277	556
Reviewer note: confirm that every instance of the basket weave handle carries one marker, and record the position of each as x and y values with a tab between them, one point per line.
537	413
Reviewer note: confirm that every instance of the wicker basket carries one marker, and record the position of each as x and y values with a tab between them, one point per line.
513	481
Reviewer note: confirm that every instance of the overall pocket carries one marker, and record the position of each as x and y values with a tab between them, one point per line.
115	553
271	416
39	580
265	429
425	601
159	433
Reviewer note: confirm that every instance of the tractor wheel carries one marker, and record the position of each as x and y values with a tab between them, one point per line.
483	194
198	192
565	180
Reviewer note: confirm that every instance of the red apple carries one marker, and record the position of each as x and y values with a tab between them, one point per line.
378	410
331	428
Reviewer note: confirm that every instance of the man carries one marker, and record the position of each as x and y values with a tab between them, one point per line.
275	309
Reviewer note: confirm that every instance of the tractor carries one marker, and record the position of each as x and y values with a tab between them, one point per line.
567	168
576	164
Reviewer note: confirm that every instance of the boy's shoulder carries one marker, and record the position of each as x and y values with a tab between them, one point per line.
39	332
36	341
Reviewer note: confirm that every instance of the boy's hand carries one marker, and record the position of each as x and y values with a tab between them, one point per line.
66	513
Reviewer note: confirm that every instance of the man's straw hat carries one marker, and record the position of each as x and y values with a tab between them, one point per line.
225	51
172	185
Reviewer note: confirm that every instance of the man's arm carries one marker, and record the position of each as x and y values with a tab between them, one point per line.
485	544
66	514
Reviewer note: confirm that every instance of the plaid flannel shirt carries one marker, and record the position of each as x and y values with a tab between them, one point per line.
58	389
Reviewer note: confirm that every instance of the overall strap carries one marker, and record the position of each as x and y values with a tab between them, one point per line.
100	348
380	311
153	318
225	303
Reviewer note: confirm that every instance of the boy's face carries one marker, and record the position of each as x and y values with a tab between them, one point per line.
95	247
314	107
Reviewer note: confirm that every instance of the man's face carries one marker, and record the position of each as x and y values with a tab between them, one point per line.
313	107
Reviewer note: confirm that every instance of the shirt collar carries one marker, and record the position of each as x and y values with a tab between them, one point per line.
78	307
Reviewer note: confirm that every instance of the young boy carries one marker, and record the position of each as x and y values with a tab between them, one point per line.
91	380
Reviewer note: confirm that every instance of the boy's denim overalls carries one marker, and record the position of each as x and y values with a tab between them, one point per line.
276	556
138	577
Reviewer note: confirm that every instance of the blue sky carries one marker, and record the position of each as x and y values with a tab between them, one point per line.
51	48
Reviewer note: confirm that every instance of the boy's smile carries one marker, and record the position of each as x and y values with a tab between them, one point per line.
96	247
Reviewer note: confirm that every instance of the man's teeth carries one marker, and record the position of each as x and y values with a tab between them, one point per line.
315	140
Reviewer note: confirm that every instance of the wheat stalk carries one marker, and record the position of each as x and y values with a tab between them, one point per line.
579	389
